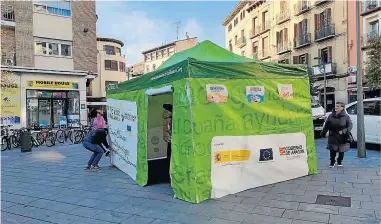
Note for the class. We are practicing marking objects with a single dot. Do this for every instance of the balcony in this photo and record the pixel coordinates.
(302, 40)
(325, 32)
(241, 42)
(8, 59)
(254, 32)
(283, 16)
(368, 37)
(301, 7)
(328, 68)
(320, 2)
(265, 26)
(368, 7)
(255, 55)
(283, 47)
(8, 17)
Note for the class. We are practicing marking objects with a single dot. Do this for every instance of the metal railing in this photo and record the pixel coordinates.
(368, 37)
(283, 16)
(265, 26)
(325, 31)
(302, 40)
(254, 32)
(369, 6)
(301, 7)
(241, 41)
(328, 68)
(8, 14)
(283, 46)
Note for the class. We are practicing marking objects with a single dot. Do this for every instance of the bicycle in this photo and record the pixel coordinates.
(6, 139)
(46, 135)
(80, 134)
(63, 134)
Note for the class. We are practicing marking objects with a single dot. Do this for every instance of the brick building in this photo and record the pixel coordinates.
(49, 50)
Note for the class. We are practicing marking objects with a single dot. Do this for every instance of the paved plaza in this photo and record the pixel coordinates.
(50, 185)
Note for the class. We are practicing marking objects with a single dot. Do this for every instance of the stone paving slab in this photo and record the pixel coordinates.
(50, 185)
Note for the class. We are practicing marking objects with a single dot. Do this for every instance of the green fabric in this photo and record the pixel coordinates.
(141, 101)
(237, 117)
(207, 60)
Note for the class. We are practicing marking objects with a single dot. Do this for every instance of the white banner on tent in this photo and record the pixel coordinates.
(243, 162)
(122, 120)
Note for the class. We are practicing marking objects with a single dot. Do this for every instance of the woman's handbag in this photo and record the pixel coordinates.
(349, 137)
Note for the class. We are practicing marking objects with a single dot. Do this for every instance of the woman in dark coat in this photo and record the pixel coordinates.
(339, 125)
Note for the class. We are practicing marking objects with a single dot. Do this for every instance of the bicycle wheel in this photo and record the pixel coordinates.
(50, 139)
(4, 143)
(78, 137)
(70, 135)
(40, 139)
(60, 136)
(15, 141)
(34, 142)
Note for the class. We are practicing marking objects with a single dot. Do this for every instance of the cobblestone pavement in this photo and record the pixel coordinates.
(50, 186)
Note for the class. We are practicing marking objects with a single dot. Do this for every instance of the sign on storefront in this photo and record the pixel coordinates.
(52, 84)
(10, 98)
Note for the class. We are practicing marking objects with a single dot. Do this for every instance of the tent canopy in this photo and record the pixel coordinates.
(208, 60)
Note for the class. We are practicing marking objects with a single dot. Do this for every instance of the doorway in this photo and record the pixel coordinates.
(158, 150)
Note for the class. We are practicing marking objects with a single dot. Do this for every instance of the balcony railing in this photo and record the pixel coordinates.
(265, 26)
(255, 55)
(301, 7)
(328, 68)
(8, 59)
(254, 32)
(302, 40)
(368, 37)
(8, 15)
(320, 2)
(283, 47)
(241, 42)
(325, 32)
(283, 16)
(370, 6)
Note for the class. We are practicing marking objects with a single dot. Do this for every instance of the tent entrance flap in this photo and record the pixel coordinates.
(159, 91)
(158, 148)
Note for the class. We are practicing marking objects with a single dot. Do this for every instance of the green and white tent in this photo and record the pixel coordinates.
(237, 123)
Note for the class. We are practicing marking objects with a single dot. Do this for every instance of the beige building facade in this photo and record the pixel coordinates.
(295, 32)
(154, 57)
(136, 70)
(49, 53)
(111, 70)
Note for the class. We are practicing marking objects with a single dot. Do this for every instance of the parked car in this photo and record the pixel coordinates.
(318, 115)
(372, 119)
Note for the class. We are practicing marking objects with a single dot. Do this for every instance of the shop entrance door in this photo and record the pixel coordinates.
(44, 113)
(59, 108)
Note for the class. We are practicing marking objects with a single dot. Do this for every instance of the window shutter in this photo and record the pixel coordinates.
(295, 60)
(286, 35)
(295, 29)
(277, 37)
(329, 54)
(307, 59)
(317, 22)
(328, 16)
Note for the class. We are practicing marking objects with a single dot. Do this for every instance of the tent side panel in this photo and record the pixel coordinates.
(182, 159)
(238, 118)
(141, 100)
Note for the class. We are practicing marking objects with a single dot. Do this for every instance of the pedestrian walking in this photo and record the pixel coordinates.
(339, 126)
(93, 142)
(99, 121)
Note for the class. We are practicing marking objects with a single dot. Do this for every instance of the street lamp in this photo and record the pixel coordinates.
(321, 68)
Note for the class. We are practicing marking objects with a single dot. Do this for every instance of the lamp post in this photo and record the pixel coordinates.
(321, 67)
(361, 152)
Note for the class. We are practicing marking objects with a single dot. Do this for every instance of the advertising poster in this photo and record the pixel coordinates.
(216, 93)
(122, 120)
(10, 98)
(285, 91)
(255, 94)
(243, 162)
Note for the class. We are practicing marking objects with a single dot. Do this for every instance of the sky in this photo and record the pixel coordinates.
(142, 25)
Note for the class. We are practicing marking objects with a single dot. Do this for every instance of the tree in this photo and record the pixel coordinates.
(372, 65)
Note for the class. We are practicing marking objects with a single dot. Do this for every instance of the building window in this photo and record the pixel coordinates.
(235, 39)
(325, 55)
(122, 67)
(230, 45)
(110, 50)
(301, 59)
(111, 65)
(53, 49)
(54, 7)
(147, 68)
(153, 67)
(117, 50)
(111, 85)
(374, 27)
(230, 27)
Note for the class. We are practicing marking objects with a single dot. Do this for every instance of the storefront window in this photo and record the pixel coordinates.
(48, 108)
